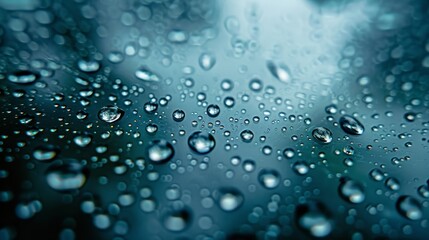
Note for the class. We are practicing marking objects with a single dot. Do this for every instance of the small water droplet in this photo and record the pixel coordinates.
(393, 184)
(207, 61)
(423, 190)
(230, 199)
(177, 220)
(177, 36)
(351, 191)
(300, 167)
(45, 152)
(256, 85)
(289, 153)
(82, 140)
(269, 178)
(376, 174)
(146, 74)
(66, 176)
(249, 165)
(281, 72)
(88, 66)
(313, 218)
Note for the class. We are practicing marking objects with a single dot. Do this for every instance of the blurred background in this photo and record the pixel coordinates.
(199, 119)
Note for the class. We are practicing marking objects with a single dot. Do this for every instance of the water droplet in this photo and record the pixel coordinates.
(150, 107)
(88, 66)
(281, 72)
(102, 221)
(23, 77)
(256, 85)
(249, 165)
(409, 207)
(45, 152)
(246, 135)
(177, 220)
(177, 36)
(393, 184)
(351, 191)
(160, 151)
(322, 135)
(300, 167)
(110, 114)
(269, 178)
(82, 140)
(313, 218)
(289, 153)
(331, 109)
(229, 102)
(348, 162)
(424, 191)
(201, 142)
(148, 205)
(351, 125)
(66, 176)
(376, 174)
(227, 84)
(207, 61)
(230, 199)
(178, 115)
(213, 110)
(145, 74)
(151, 128)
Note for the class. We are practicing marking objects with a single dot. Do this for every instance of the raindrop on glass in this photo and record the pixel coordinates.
(351, 125)
(110, 114)
(201, 142)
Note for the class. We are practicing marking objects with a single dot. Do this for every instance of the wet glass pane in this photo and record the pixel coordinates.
(200, 119)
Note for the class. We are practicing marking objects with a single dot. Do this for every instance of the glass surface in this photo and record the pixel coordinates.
(200, 119)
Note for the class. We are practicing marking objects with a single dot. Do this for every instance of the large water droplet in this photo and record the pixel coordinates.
(281, 72)
(160, 151)
(351, 191)
(66, 176)
(145, 74)
(201, 142)
(269, 178)
(229, 199)
(313, 218)
(409, 207)
(23, 77)
(351, 125)
(110, 114)
(322, 135)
